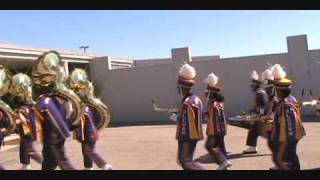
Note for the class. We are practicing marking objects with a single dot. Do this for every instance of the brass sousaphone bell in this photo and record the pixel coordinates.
(5, 82)
(47, 71)
(79, 82)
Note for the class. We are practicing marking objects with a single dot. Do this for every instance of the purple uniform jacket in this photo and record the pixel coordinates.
(87, 131)
(29, 113)
(216, 124)
(53, 109)
(189, 124)
(288, 125)
(2, 125)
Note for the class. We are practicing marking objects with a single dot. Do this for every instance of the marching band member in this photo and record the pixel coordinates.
(95, 111)
(288, 128)
(216, 122)
(267, 77)
(60, 108)
(189, 123)
(7, 116)
(28, 119)
(259, 107)
(3, 127)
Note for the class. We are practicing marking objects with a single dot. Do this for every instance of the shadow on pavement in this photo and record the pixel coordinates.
(208, 159)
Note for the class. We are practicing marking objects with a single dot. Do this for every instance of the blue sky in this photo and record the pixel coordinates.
(152, 34)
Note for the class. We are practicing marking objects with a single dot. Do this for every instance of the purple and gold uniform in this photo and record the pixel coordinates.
(189, 125)
(2, 125)
(189, 131)
(288, 130)
(216, 130)
(87, 131)
(59, 106)
(190, 119)
(56, 128)
(96, 117)
(87, 134)
(216, 122)
(29, 130)
(287, 126)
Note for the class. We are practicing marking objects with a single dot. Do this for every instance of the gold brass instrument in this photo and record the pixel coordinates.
(21, 87)
(5, 82)
(11, 117)
(47, 71)
(79, 82)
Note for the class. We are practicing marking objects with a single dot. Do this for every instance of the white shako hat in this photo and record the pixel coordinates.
(212, 82)
(255, 78)
(267, 77)
(280, 80)
(187, 75)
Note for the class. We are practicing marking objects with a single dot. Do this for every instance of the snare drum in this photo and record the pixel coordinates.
(241, 121)
(247, 121)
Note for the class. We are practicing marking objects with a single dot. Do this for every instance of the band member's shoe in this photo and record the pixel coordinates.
(88, 168)
(225, 165)
(250, 150)
(25, 167)
(107, 167)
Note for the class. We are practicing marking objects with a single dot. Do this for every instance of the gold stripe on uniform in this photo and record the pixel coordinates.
(192, 124)
(210, 125)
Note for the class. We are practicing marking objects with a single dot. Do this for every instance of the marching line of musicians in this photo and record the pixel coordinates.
(66, 106)
(275, 107)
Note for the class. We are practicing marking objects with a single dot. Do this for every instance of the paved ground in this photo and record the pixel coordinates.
(154, 148)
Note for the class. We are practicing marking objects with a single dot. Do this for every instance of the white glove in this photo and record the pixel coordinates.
(174, 117)
(3, 129)
(18, 121)
(261, 111)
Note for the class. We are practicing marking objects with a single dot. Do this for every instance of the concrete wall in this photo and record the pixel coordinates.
(152, 62)
(205, 58)
(128, 92)
(120, 62)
